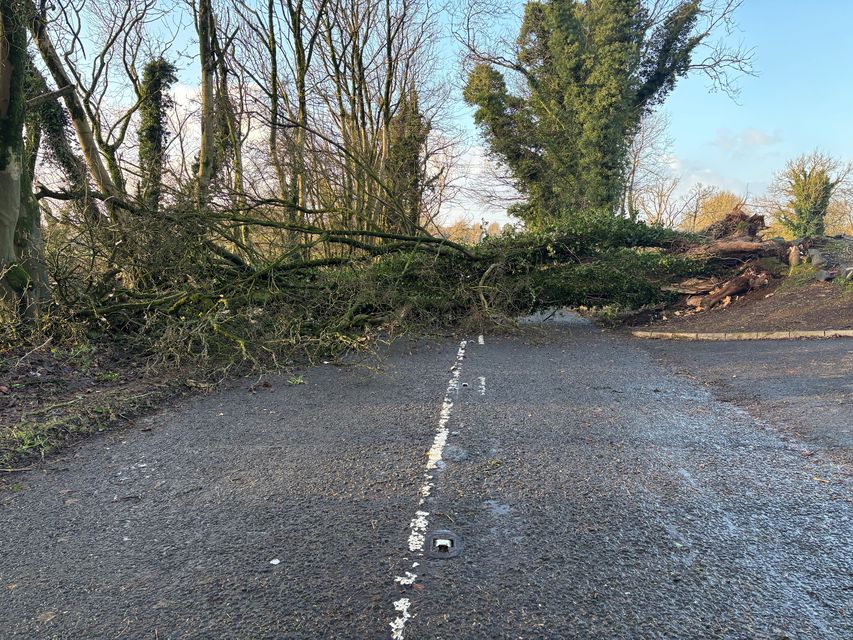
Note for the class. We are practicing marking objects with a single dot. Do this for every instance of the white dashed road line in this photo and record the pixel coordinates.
(420, 523)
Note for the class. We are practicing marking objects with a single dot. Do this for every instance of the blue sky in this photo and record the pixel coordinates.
(801, 99)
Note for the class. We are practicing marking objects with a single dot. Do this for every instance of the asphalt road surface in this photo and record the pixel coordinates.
(803, 387)
(589, 492)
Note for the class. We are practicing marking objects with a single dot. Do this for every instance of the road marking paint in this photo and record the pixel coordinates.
(482, 380)
(418, 528)
(409, 578)
(480, 340)
(419, 524)
(398, 626)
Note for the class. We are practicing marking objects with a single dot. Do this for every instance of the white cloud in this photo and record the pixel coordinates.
(480, 194)
(746, 141)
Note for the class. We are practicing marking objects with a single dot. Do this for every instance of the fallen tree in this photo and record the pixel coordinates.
(189, 292)
(740, 250)
(751, 279)
(733, 243)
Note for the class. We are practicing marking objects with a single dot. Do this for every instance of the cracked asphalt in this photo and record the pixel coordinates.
(598, 493)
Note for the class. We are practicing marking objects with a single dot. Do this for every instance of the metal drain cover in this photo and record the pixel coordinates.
(443, 544)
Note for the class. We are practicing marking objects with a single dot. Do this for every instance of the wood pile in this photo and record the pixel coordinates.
(734, 243)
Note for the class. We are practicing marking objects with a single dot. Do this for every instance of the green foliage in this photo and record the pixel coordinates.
(592, 69)
(157, 77)
(582, 234)
(407, 173)
(627, 278)
(181, 302)
(809, 188)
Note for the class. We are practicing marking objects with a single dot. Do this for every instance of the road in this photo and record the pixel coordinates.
(803, 387)
(593, 493)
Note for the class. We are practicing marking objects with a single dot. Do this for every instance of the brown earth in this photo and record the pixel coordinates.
(51, 397)
(789, 303)
(780, 307)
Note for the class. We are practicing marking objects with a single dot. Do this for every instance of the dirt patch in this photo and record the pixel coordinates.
(50, 397)
(810, 306)
(794, 300)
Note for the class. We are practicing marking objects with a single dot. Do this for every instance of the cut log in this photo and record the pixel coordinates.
(748, 281)
(694, 286)
(739, 248)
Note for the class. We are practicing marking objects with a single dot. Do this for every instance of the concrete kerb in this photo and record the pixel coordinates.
(744, 335)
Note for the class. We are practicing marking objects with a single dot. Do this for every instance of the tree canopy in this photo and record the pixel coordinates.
(589, 72)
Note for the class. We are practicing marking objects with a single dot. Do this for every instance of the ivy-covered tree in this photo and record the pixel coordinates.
(807, 186)
(406, 166)
(590, 70)
(157, 77)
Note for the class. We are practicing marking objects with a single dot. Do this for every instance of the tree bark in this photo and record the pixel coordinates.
(14, 277)
(80, 122)
(747, 281)
(29, 239)
(740, 249)
(207, 151)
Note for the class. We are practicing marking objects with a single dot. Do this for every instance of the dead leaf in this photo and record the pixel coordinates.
(46, 616)
(195, 384)
(71, 501)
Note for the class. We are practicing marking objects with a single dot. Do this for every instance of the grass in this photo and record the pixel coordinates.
(845, 285)
(799, 276)
(46, 429)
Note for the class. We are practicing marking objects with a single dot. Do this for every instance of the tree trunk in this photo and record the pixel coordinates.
(29, 239)
(29, 245)
(12, 110)
(10, 206)
(207, 151)
(739, 249)
(749, 280)
(46, 112)
(81, 124)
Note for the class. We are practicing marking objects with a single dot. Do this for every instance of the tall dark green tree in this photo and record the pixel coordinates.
(406, 166)
(590, 70)
(157, 78)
